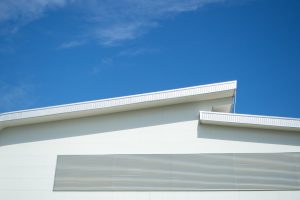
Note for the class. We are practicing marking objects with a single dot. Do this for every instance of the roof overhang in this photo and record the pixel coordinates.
(126, 103)
(250, 121)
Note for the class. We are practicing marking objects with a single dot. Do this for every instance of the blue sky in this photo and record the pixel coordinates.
(62, 51)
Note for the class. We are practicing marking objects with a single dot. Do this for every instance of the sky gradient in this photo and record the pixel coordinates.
(58, 51)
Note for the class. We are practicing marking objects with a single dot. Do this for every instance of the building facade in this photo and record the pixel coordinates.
(177, 144)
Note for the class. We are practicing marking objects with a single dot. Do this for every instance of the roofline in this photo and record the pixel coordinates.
(118, 104)
(250, 121)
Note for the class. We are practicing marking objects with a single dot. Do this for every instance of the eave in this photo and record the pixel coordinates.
(250, 121)
(126, 103)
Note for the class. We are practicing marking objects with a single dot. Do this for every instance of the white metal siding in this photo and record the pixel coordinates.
(28, 154)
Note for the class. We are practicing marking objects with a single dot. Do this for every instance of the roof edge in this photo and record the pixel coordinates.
(89, 108)
(250, 121)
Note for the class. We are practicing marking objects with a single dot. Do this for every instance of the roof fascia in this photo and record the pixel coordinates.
(119, 104)
(250, 121)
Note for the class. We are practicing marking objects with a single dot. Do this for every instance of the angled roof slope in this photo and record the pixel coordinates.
(140, 101)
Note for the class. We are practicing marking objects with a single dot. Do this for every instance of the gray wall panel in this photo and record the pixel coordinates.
(178, 172)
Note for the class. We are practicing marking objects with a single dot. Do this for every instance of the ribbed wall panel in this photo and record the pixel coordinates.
(178, 172)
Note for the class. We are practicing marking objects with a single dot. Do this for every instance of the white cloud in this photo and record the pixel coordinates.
(71, 44)
(119, 32)
(26, 9)
(17, 13)
(138, 51)
(110, 22)
(117, 21)
(15, 96)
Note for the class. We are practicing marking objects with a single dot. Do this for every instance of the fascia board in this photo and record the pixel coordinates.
(250, 121)
(125, 103)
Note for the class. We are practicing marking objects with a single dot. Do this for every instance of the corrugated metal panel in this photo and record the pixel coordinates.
(178, 172)
(232, 119)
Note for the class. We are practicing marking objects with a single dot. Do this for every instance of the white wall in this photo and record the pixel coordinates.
(28, 153)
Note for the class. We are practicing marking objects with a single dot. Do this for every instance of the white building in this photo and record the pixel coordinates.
(176, 144)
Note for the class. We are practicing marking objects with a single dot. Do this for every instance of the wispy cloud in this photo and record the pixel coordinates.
(71, 44)
(15, 96)
(117, 21)
(138, 51)
(16, 13)
(113, 61)
(109, 22)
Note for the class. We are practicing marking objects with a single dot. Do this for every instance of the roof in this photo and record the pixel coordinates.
(126, 103)
(250, 121)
